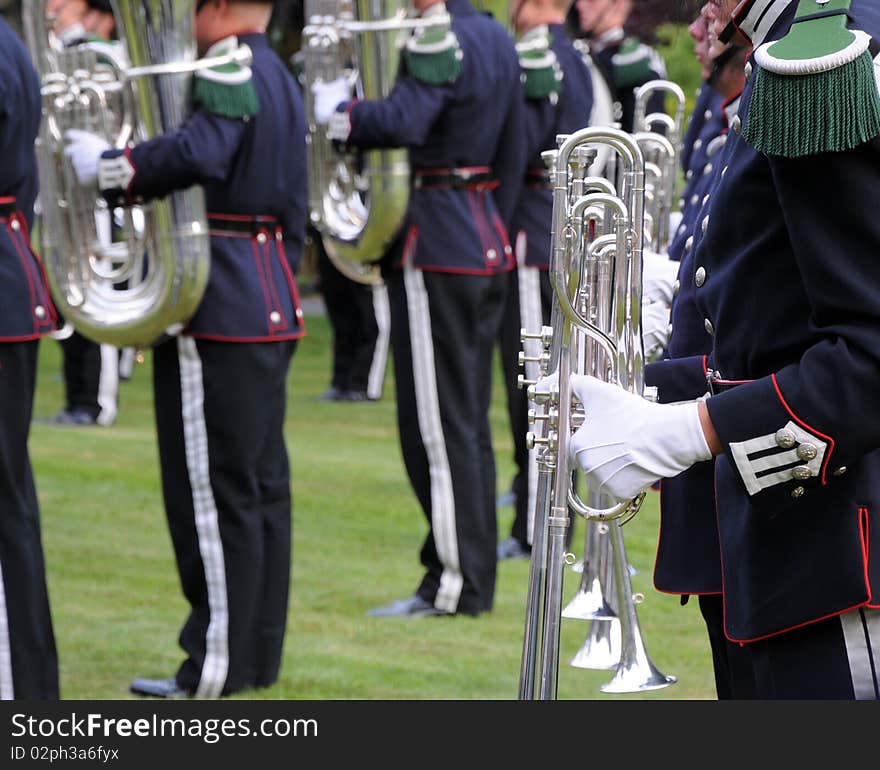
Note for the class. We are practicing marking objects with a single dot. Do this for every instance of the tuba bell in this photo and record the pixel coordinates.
(127, 276)
(357, 200)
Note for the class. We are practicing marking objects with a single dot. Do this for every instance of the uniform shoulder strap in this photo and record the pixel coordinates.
(433, 55)
(636, 63)
(815, 89)
(540, 72)
(227, 90)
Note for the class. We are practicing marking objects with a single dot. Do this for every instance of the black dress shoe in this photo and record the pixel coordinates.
(511, 548)
(411, 607)
(73, 417)
(159, 688)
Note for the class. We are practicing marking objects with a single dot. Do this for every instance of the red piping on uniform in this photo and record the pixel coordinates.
(506, 250)
(223, 338)
(291, 281)
(794, 628)
(259, 263)
(705, 366)
(409, 247)
(273, 289)
(804, 425)
(865, 534)
(24, 264)
(478, 221)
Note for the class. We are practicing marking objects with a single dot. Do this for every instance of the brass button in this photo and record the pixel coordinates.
(748, 69)
(689, 243)
(807, 452)
(689, 174)
(708, 169)
(261, 238)
(40, 312)
(710, 329)
(491, 255)
(694, 199)
(840, 471)
(15, 225)
(698, 144)
(700, 276)
(736, 124)
(705, 223)
(676, 287)
(275, 317)
(707, 115)
(801, 473)
(797, 492)
(785, 438)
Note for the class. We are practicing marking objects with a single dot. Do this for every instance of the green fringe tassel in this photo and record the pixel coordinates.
(229, 101)
(792, 116)
(435, 69)
(540, 83)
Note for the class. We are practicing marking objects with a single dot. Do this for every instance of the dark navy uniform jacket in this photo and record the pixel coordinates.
(688, 557)
(253, 168)
(475, 122)
(699, 174)
(789, 295)
(544, 121)
(627, 63)
(26, 309)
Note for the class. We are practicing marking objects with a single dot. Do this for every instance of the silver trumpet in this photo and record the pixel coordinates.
(595, 328)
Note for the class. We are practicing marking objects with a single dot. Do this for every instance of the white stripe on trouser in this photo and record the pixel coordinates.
(382, 311)
(7, 688)
(531, 318)
(431, 429)
(861, 632)
(108, 385)
(195, 439)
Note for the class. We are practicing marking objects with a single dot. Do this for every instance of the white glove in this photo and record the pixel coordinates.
(659, 274)
(328, 96)
(339, 127)
(84, 150)
(655, 329)
(627, 443)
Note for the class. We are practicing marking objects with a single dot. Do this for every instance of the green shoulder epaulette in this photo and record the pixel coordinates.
(815, 89)
(433, 55)
(635, 63)
(226, 90)
(539, 68)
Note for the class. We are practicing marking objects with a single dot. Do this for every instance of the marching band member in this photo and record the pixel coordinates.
(626, 61)
(787, 291)
(688, 555)
(458, 107)
(28, 658)
(559, 100)
(220, 386)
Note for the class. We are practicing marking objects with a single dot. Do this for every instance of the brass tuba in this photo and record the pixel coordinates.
(357, 200)
(131, 275)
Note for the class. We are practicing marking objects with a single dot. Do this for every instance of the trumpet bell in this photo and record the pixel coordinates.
(601, 649)
(637, 675)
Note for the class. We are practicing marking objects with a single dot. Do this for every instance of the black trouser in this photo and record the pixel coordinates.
(28, 658)
(528, 305)
(731, 663)
(353, 321)
(443, 332)
(91, 377)
(220, 411)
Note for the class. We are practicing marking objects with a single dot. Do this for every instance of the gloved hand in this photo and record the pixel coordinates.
(655, 329)
(659, 274)
(84, 150)
(339, 127)
(627, 443)
(328, 96)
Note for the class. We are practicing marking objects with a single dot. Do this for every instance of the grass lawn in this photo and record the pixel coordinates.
(118, 608)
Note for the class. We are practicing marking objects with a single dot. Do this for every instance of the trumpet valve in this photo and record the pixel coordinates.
(523, 383)
(543, 359)
(533, 441)
(551, 417)
(545, 336)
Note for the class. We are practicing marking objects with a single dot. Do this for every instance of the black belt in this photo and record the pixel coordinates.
(717, 384)
(242, 223)
(8, 207)
(538, 177)
(462, 178)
